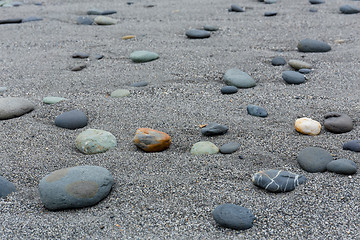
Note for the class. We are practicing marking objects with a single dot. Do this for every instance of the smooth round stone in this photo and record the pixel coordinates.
(6, 187)
(204, 147)
(342, 166)
(313, 10)
(102, 20)
(11, 107)
(71, 120)
(151, 140)
(277, 180)
(353, 145)
(139, 84)
(233, 216)
(310, 45)
(211, 28)
(94, 12)
(236, 77)
(304, 71)
(256, 111)
(314, 159)
(3, 89)
(80, 55)
(143, 56)
(53, 100)
(307, 126)
(31, 19)
(297, 64)
(338, 122)
(213, 129)
(75, 187)
(197, 33)
(84, 20)
(11, 21)
(229, 148)
(229, 90)
(93, 141)
(236, 8)
(278, 61)
(316, 1)
(78, 67)
(292, 77)
(348, 9)
(120, 93)
(270, 14)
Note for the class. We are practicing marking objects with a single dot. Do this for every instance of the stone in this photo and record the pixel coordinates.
(204, 147)
(213, 129)
(270, 14)
(6, 187)
(80, 55)
(211, 28)
(92, 141)
(353, 145)
(314, 159)
(102, 20)
(98, 56)
(270, 1)
(316, 1)
(297, 64)
(31, 19)
(229, 90)
(11, 21)
(78, 67)
(143, 56)
(278, 61)
(3, 89)
(236, 77)
(256, 111)
(277, 181)
(120, 93)
(197, 34)
(338, 122)
(307, 126)
(236, 8)
(94, 12)
(304, 71)
(84, 20)
(75, 187)
(53, 100)
(313, 10)
(292, 77)
(127, 37)
(71, 120)
(342, 166)
(348, 9)
(229, 147)
(11, 107)
(309, 45)
(151, 140)
(233, 216)
(108, 12)
(139, 84)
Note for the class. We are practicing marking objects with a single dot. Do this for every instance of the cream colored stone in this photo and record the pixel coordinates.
(307, 126)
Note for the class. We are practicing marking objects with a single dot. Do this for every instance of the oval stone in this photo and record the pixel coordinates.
(316, 1)
(236, 8)
(197, 34)
(204, 147)
(53, 100)
(11, 107)
(342, 166)
(71, 120)
(229, 148)
(93, 141)
(236, 77)
(120, 93)
(270, 14)
(307, 126)
(31, 19)
(6, 187)
(139, 84)
(143, 56)
(278, 61)
(338, 122)
(348, 9)
(84, 20)
(297, 64)
(304, 71)
(102, 20)
(211, 28)
(233, 216)
(151, 140)
(229, 90)
(256, 111)
(310, 45)
(213, 129)
(314, 159)
(75, 187)
(353, 145)
(293, 77)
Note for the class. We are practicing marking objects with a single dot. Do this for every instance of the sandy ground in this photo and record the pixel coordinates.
(170, 195)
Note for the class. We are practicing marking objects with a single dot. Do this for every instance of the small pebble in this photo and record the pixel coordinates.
(211, 28)
(139, 84)
(53, 100)
(292, 77)
(80, 55)
(313, 10)
(102, 20)
(307, 126)
(256, 111)
(278, 61)
(304, 71)
(31, 19)
(98, 56)
(213, 129)
(118, 93)
(270, 1)
(94, 12)
(229, 90)
(108, 12)
(316, 1)
(78, 67)
(92, 141)
(348, 9)
(71, 120)
(229, 148)
(6, 187)
(197, 34)
(270, 14)
(236, 8)
(297, 64)
(342, 166)
(309, 45)
(204, 147)
(236, 77)
(233, 216)
(143, 56)
(84, 20)
(353, 145)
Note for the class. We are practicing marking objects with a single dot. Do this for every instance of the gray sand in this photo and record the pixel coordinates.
(170, 195)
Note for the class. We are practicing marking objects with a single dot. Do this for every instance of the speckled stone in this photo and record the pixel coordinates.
(338, 122)
(233, 216)
(353, 145)
(342, 166)
(71, 120)
(53, 100)
(278, 61)
(229, 90)
(197, 34)
(297, 64)
(292, 77)
(213, 129)
(314, 159)
(92, 141)
(348, 9)
(256, 111)
(229, 148)
(277, 180)
(6, 187)
(143, 56)
(204, 147)
(11, 107)
(236, 77)
(75, 187)
(150, 140)
(118, 93)
(309, 45)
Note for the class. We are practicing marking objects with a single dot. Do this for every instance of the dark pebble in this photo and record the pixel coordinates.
(78, 67)
(108, 12)
(304, 71)
(236, 8)
(229, 90)
(353, 145)
(338, 122)
(270, 14)
(278, 61)
(316, 1)
(310, 45)
(347, 9)
(313, 10)
(139, 84)
(293, 77)
(11, 21)
(342, 166)
(80, 55)
(211, 28)
(229, 148)
(98, 56)
(256, 111)
(197, 34)
(6, 187)
(84, 20)
(213, 129)
(233, 216)
(71, 120)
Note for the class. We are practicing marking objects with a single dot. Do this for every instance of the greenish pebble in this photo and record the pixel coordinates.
(211, 28)
(204, 147)
(120, 93)
(143, 56)
(53, 100)
(94, 141)
(102, 20)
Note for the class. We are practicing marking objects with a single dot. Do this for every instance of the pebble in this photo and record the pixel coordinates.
(292, 77)
(204, 147)
(233, 216)
(53, 100)
(108, 12)
(11, 21)
(211, 28)
(229, 90)
(84, 20)
(270, 1)
(3, 89)
(197, 34)
(75, 187)
(92, 141)
(6, 187)
(236, 8)
(278, 61)
(277, 181)
(31, 19)
(256, 111)
(151, 140)
(98, 56)
(353, 145)
(102, 20)
(71, 120)
(78, 67)
(139, 84)
(127, 37)
(338, 122)
(236, 77)
(314, 159)
(120, 93)
(80, 55)
(342, 166)
(313, 10)
(11, 107)
(307, 126)
(229, 148)
(348, 9)
(297, 64)
(270, 14)
(143, 56)
(309, 45)
(213, 129)
(94, 12)
(316, 1)
(304, 71)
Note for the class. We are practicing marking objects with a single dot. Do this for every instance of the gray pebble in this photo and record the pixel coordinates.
(293, 77)
(211, 28)
(278, 61)
(314, 159)
(316, 1)
(71, 120)
(348, 9)
(338, 122)
(80, 55)
(310, 45)
(11, 107)
(236, 8)
(353, 145)
(213, 129)
(197, 34)
(342, 166)
(256, 111)
(236, 77)
(233, 216)
(84, 20)
(6, 187)
(78, 67)
(139, 84)
(270, 14)
(229, 90)
(304, 71)
(229, 148)
(31, 19)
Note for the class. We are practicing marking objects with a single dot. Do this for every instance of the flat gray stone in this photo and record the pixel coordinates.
(71, 120)
(143, 56)
(353, 145)
(278, 61)
(292, 77)
(197, 34)
(236, 77)
(233, 216)
(53, 100)
(11, 107)
(342, 166)
(348, 9)
(229, 90)
(84, 20)
(229, 148)
(256, 111)
(314, 159)
(310, 45)
(6, 187)
(213, 129)
(236, 8)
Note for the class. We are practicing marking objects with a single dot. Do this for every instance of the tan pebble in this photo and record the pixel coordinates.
(128, 37)
(307, 126)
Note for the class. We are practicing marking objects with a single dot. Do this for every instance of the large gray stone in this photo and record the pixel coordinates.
(314, 159)
(310, 45)
(236, 77)
(11, 107)
(338, 122)
(233, 216)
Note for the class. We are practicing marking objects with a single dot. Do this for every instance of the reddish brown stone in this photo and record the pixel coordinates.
(151, 140)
